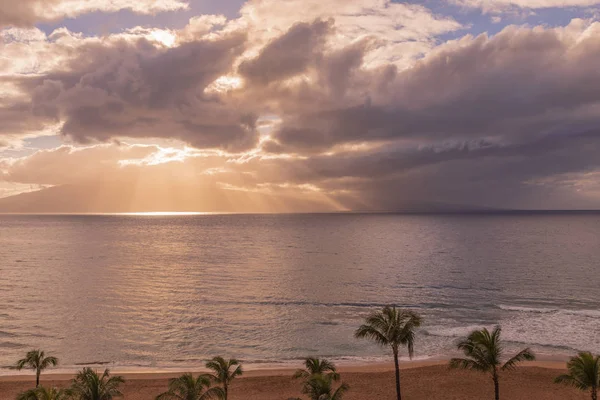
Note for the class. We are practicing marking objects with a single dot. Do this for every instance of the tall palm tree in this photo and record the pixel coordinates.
(392, 327)
(319, 387)
(223, 372)
(316, 366)
(88, 385)
(584, 373)
(42, 393)
(484, 352)
(186, 387)
(37, 361)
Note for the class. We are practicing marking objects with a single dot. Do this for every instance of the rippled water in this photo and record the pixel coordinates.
(157, 291)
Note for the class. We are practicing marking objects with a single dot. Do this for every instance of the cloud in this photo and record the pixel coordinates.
(516, 86)
(148, 82)
(357, 104)
(26, 13)
(404, 31)
(124, 88)
(288, 55)
(498, 6)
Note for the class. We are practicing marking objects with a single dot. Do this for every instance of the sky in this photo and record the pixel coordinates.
(299, 105)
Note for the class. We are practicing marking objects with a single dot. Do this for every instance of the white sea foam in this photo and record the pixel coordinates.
(587, 313)
(547, 327)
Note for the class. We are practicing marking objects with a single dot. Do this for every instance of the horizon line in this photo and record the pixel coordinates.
(465, 211)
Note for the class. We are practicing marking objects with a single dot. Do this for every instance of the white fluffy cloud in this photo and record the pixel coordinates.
(26, 13)
(404, 31)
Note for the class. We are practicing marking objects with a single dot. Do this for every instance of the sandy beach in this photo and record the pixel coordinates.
(420, 381)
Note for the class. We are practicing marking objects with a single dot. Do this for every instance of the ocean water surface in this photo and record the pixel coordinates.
(170, 291)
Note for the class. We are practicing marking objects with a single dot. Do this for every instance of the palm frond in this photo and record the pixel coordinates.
(523, 355)
(372, 332)
(584, 372)
(339, 392)
(468, 364)
(571, 381)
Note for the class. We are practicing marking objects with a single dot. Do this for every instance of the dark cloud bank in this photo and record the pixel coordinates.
(500, 121)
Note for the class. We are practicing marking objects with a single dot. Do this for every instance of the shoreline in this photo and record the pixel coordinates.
(254, 371)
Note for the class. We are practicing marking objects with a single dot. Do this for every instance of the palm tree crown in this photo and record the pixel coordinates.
(223, 372)
(186, 387)
(37, 361)
(584, 373)
(392, 327)
(484, 353)
(316, 366)
(88, 385)
(320, 387)
(42, 393)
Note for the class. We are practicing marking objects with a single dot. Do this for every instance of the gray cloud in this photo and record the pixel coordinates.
(288, 55)
(512, 85)
(135, 89)
(478, 121)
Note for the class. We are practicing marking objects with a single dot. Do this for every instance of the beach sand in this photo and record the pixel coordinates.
(426, 381)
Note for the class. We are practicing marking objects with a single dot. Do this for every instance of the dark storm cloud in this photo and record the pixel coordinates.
(288, 55)
(510, 85)
(478, 121)
(136, 89)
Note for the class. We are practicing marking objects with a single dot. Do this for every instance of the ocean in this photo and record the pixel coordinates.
(166, 292)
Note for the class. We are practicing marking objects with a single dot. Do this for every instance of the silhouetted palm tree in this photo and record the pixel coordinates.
(316, 366)
(222, 371)
(186, 387)
(37, 361)
(484, 353)
(392, 327)
(319, 387)
(88, 385)
(584, 373)
(42, 393)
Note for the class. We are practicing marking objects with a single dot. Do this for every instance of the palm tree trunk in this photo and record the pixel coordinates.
(496, 386)
(397, 367)
(594, 393)
(225, 389)
(37, 378)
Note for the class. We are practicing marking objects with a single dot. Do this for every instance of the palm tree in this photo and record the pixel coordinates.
(42, 393)
(392, 327)
(186, 387)
(584, 373)
(222, 372)
(37, 361)
(484, 353)
(319, 387)
(315, 366)
(88, 385)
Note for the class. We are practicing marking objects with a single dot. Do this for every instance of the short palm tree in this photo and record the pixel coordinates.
(320, 387)
(186, 387)
(37, 361)
(42, 393)
(584, 373)
(88, 385)
(224, 371)
(484, 352)
(394, 328)
(316, 366)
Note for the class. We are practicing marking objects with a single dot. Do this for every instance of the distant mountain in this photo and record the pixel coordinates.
(117, 197)
(124, 197)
